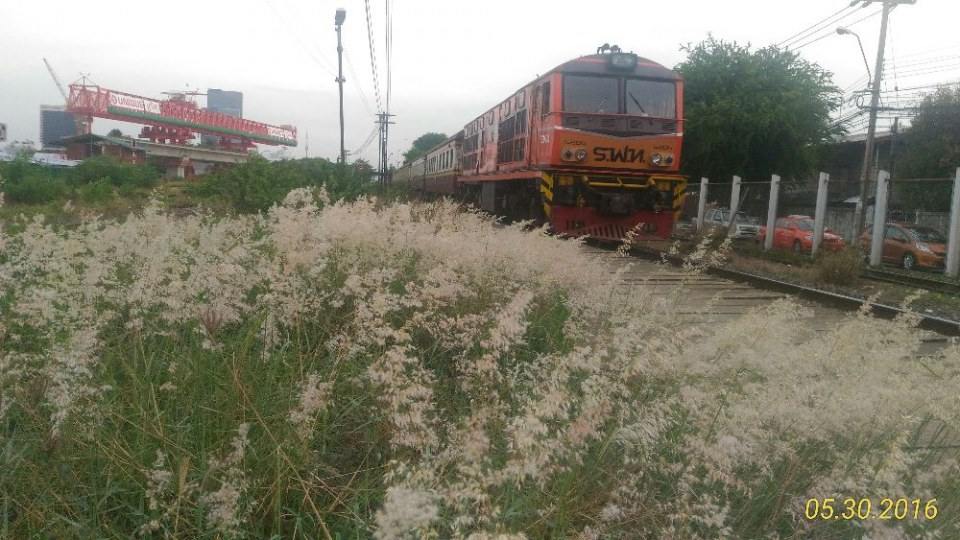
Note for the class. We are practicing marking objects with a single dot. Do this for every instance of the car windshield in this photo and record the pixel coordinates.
(804, 224)
(747, 220)
(926, 234)
(585, 94)
(651, 98)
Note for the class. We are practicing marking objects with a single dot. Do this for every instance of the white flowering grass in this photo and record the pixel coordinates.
(414, 370)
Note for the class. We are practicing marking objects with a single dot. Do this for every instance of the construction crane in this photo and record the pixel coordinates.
(56, 80)
(173, 120)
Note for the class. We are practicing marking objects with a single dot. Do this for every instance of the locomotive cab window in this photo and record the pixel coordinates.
(589, 94)
(657, 99)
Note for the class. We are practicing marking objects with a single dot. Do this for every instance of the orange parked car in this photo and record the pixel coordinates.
(796, 233)
(910, 246)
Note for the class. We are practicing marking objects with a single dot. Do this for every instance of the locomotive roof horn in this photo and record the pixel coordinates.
(607, 48)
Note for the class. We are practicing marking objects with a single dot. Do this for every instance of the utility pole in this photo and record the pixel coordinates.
(867, 173)
(383, 168)
(341, 15)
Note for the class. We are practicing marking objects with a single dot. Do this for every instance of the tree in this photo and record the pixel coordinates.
(363, 169)
(930, 149)
(753, 113)
(422, 144)
(115, 133)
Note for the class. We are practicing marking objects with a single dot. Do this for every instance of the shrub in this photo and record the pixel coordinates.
(117, 173)
(34, 188)
(97, 192)
(839, 267)
(258, 184)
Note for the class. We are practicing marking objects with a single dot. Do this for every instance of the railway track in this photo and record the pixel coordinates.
(739, 291)
(914, 280)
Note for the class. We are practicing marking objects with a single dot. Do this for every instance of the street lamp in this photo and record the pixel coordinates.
(338, 21)
(847, 32)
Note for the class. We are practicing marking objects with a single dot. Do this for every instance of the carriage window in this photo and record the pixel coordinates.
(651, 98)
(545, 96)
(585, 94)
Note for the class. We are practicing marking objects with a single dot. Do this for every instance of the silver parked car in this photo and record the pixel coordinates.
(745, 227)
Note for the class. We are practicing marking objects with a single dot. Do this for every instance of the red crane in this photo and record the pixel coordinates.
(173, 120)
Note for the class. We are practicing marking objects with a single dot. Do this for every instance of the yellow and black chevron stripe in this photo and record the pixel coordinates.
(546, 189)
(677, 186)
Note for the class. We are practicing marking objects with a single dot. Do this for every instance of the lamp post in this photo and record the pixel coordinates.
(847, 32)
(341, 15)
(877, 76)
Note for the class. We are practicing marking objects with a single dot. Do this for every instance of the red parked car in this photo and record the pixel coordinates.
(796, 233)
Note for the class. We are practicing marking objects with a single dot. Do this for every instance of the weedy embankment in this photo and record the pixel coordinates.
(355, 369)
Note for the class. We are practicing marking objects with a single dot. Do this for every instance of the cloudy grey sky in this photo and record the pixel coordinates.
(451, 59)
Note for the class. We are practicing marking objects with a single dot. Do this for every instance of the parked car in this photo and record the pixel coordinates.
(719, 218)
(910, 246)
(796, 233)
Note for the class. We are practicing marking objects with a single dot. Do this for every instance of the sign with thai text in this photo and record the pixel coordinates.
(137, 104)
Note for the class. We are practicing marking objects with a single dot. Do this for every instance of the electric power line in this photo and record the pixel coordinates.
(388, 45)
(830, 31)
(924, 62)
(366, 143)
(799, 36)
(313, 53)
(373, 54)
(353, 73)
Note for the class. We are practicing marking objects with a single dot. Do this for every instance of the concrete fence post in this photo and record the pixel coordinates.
(734, 204)
(772, 212)
(820, 216)
(953, 239)
(879, 219)
(735, 195)
(702, 203)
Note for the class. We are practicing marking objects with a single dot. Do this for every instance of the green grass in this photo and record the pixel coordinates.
(93, 474)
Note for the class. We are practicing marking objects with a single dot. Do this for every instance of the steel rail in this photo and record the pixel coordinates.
(907, 280)
(940, 325)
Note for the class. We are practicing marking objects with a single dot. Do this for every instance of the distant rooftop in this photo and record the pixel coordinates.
(47, 159)
(861, 137)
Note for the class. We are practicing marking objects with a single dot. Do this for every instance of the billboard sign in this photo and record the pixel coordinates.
(135, 104)
(281, 133)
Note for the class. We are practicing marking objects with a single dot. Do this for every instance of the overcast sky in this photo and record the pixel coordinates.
(451, 59)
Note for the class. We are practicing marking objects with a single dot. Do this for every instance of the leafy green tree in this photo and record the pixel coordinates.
(115, 133)
(423, 143)
(753, 113)
(930, 149)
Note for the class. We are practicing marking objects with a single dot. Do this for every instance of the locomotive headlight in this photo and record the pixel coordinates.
(661, 160)
(573, 154)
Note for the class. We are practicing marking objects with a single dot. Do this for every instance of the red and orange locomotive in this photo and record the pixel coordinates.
(592, 147)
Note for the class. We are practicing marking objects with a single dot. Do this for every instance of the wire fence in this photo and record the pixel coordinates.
(805, 217)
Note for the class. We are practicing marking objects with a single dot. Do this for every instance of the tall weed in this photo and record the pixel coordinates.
(355, 369)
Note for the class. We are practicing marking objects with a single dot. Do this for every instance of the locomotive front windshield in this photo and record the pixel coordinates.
(651, 98)
(595, 95)
(614, 95)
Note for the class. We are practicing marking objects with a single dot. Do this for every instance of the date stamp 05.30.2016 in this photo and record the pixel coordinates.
(862, 509)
